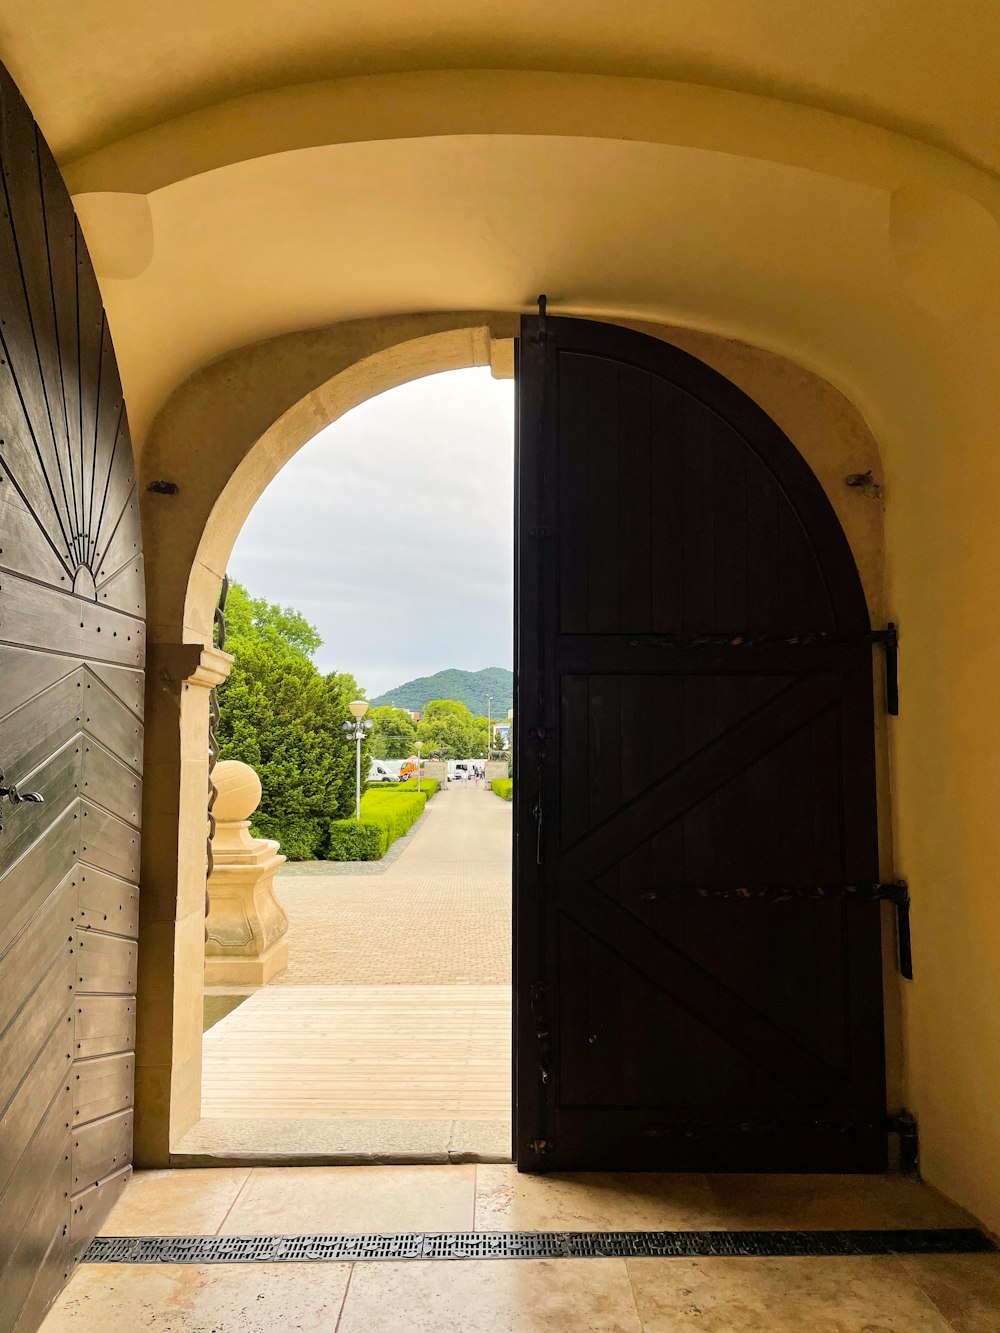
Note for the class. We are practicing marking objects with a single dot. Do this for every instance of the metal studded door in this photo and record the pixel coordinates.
(697, 919)
(71, 700)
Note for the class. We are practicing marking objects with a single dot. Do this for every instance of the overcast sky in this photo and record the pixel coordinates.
(392, 531)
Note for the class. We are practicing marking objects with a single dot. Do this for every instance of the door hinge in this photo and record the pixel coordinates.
(904, 1124)
(900, 1123)
(888, 638)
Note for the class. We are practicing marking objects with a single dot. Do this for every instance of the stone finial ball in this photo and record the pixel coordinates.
(239, 790)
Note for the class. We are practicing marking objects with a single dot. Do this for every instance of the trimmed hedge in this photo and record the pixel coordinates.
(349, 840)
(387, 811)
(428, 786)
(504, 788)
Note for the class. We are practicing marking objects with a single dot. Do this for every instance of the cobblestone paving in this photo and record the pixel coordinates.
(439, 915)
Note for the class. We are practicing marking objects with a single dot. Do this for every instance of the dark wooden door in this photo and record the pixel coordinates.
(71, 697)
(695, 991)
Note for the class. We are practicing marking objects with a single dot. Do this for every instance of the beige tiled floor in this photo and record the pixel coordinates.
(926, 1294)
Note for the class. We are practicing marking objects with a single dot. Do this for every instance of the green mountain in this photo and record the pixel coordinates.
(471, 687)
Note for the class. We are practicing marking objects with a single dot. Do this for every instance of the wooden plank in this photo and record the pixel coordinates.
(38, 1241)
(43, 725)
(61, 227)
(102, 1086)
(109, 436)
(125, 684)
(120, 542)
(107, 782)
(108, 842)
(30, 448)
(26, 882)
(28, 823)
(119, 507)
(91, 1206)
(105, 964)
(51, 1274)
(24, 547)
(19, 1120)
(49, 1005)
(105, 1025)
(26, 673)
(101, 1149)
(20, 1193)
(34, 950)
(111, 722)
(107, 903)
(125, 588)
(37, 617)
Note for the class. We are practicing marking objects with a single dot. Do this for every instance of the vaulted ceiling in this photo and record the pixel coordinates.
(787, 173)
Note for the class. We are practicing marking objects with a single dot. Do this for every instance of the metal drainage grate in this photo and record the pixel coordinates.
(528, 1245)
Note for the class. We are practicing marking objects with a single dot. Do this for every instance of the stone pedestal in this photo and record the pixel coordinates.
(246, 942)
(437, 769)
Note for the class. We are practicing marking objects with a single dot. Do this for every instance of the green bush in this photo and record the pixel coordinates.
(351, 840)
(504, 788)
(301, 838)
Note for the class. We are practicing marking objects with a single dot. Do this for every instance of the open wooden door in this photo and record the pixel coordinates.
(71, 699)
(699, 975)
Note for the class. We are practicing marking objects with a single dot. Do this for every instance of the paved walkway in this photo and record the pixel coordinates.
(440, 915)
(390, 1030)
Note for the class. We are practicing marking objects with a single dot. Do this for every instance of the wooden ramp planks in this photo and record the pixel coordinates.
(385, 1052)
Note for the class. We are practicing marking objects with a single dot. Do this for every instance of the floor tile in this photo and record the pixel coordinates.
(491, 1296)
(195, 1298)
(780, 1296)
(830, 1202)
(508, 1201)
(350, 1199)
(176, 1203)
(964, 1287)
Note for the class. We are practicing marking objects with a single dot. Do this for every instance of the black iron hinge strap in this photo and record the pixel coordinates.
(895, 892)
(887, 639)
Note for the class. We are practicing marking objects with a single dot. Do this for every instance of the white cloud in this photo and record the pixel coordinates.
(392, 531)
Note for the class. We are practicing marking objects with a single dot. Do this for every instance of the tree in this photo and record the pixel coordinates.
(394, 733)
(448, 725)
(281, 716)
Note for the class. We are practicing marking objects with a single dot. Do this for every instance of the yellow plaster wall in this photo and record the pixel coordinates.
(825, 190)
(941, 471)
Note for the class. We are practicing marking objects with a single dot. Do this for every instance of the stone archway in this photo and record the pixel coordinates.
(263, 403)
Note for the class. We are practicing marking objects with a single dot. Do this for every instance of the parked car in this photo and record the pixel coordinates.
(379, 773)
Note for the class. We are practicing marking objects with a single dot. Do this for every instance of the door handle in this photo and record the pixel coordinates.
(17, 797)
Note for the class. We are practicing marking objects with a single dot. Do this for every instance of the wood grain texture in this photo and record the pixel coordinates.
(655, 500)
(72, 646)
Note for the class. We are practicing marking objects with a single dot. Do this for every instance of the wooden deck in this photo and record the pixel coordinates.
(387, 1052)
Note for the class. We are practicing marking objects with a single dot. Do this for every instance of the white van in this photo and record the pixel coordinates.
(379, 772)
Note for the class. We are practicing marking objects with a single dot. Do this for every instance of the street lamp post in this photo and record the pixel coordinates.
(418, 746)
(356, 731)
